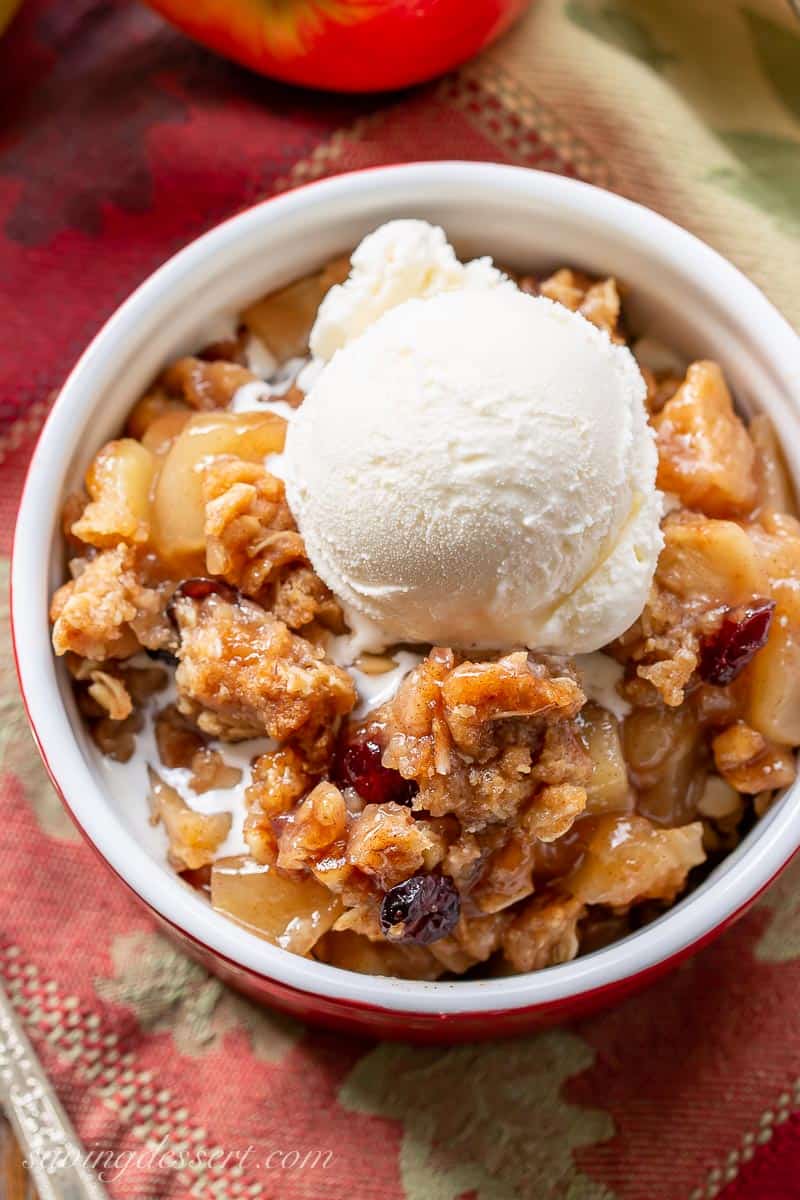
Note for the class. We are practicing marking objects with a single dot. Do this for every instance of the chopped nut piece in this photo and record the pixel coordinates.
(597, 300)
(669, 676)
(111, 694)
(312, 830)
(205, 385)
(474, 940)
(418, 739)
(544, 932)
(279, 780)
(194, 837)
(749, 762)
(386, 843)
(475, 695)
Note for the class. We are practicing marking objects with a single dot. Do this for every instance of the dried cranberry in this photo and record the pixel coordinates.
(199, 588)
(358, 765)
(725, 653)
(421, 909)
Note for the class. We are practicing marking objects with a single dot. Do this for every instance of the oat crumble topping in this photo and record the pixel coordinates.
(487, 815)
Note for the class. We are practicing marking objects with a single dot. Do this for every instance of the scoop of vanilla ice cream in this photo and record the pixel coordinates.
(399, 261)
(476, 469)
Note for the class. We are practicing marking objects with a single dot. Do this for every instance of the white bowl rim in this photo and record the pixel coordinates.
(688, 924)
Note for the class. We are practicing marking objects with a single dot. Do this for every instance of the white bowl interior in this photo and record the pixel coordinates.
(681, 293)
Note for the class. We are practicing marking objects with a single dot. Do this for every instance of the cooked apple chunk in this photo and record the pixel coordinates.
(708, 559)
(705, 453)
(775, 490)
(608, 789)
(118, 482)
(629, 859)
(178, 532)
(290, 912)
(283, 319)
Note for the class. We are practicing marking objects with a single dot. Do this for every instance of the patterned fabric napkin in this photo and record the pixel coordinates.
(120, 141)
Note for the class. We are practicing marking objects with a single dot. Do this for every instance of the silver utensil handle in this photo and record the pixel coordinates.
(54, 1156)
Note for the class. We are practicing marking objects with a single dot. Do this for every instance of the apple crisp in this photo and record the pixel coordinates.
(485, 814)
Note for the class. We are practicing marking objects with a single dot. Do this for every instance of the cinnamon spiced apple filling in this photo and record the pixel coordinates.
(439, 632)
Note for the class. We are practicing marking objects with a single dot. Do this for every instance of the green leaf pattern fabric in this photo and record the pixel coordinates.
(759, 159)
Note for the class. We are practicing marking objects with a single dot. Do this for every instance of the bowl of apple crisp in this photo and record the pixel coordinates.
(405, 598)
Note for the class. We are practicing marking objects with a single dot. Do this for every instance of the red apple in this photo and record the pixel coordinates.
(345, 45)
(7, 10)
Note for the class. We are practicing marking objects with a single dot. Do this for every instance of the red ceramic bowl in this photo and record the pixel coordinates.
(681, 290)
